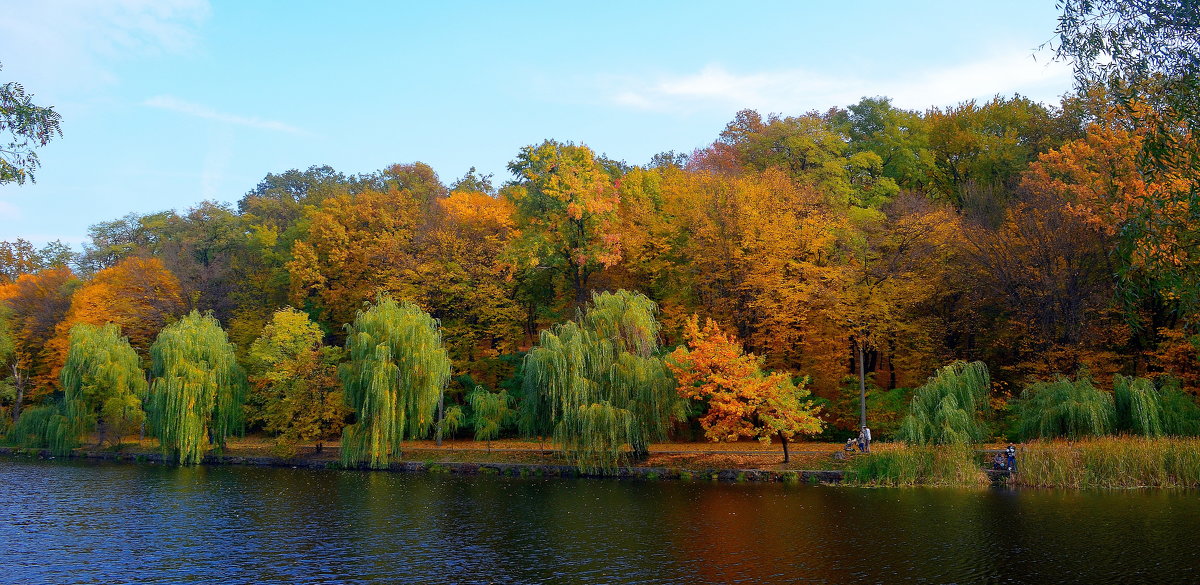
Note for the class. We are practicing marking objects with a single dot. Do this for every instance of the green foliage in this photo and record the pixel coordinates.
(45, 427)
(398, 369)
(948, 409)
(1179, 412)
(296, 395)
(1064, 408)
(452, 420)
(198, 388)
(598, 384)
(491, 412)
(1137, 406)
(103, 382)
(26, 126)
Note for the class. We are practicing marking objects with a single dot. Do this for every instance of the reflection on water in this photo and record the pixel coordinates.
(75, 522)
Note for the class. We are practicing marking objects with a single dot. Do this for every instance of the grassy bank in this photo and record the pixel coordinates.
(896, 465)
(1110, 462)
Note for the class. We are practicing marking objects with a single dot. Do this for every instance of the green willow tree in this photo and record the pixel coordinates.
(198, 389)
(948, 409)
(1065, 408)
(1137, 406)
(492, 410)
(598, 383)
(397, 372)
(45, 427)
(103, 383)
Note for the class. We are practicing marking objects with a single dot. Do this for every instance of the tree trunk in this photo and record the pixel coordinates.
(20, 384)
(441, 413)
(862, 385)
(783, 439)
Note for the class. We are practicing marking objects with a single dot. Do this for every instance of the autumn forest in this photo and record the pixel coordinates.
(1023, 235)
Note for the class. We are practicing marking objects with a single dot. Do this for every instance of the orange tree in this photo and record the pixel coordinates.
(742, 400)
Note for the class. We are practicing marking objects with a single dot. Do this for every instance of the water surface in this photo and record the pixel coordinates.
(80, 522)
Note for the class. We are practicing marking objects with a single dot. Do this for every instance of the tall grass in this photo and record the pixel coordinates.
(1110, 462)
(912, 465)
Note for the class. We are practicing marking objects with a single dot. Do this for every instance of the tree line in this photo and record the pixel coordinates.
(1045, 240)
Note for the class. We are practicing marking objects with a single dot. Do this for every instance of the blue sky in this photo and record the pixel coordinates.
(169, 102)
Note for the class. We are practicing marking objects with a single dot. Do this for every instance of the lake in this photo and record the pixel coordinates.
(65, 522)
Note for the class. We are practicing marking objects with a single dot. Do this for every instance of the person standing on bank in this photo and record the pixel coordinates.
(1010, 455)
(864, 439)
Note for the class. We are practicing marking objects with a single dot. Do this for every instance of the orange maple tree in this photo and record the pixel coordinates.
(139, 295)
(741, 399)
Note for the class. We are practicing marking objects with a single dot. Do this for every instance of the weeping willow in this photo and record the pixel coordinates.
(597, 384)
(1179, 412)
(398, 368)
(947, 409)
(1137, 405)
(103, 382)
(1064, 408)
(491, 412)
(198, 389)
(45, 427)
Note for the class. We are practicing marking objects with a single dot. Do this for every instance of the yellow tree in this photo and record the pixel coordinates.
(355, 244)
(566, 211)
(740, 399)
(464, 279)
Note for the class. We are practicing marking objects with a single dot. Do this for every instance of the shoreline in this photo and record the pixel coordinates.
(725, 475)
(455, 467)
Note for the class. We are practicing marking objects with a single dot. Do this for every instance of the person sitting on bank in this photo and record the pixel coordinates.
(998, 461)
(850, 445)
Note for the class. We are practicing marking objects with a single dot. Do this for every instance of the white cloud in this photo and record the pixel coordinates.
(798, 90)
(59, 45)
(174, 104)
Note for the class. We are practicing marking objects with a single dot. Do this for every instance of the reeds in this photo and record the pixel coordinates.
(1110, 462)
(912, 465)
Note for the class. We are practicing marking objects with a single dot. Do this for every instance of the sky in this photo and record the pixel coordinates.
(166, 103)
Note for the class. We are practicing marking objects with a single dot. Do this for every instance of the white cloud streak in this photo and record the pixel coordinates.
(61, 45)
(797, 90)
(174, 104)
